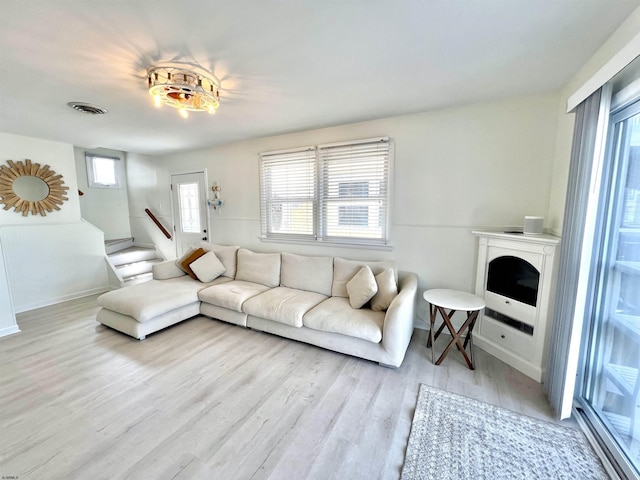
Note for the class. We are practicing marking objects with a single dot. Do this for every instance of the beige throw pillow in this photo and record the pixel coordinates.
(208, 267)
(387, 290)
(188, 258)
(362, 287)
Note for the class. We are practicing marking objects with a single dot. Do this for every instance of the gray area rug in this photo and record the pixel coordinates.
(456, 437)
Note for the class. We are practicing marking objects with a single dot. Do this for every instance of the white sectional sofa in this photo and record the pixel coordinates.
(364, 309)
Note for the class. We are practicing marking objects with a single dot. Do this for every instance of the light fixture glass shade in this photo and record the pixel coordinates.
(183, 89)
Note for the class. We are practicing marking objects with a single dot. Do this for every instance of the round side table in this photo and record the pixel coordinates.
(441, 300)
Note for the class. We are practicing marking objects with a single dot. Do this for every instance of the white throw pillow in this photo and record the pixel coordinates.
(362, 287)
(387, 290)
(344, 270)
(208, 267)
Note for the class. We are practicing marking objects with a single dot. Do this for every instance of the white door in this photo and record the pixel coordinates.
(189, 210)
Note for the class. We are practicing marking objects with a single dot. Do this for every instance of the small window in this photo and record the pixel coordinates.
(102, 172)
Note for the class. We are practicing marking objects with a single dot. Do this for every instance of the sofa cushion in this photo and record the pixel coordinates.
(336, 315)
(208, 267)
(148, 300)
(387, 290)
(344, 270)
(261, 268)
(188, 258)
(313, 274)
(166, 270)
(228, 255)
(282, 304)
(362, 287)
(232, 294)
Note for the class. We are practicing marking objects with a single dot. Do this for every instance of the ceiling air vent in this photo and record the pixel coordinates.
(87, 108)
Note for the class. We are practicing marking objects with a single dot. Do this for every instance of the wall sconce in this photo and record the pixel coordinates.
(216, 202)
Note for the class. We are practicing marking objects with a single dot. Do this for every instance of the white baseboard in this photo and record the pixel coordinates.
(63, 298)
(9, 330)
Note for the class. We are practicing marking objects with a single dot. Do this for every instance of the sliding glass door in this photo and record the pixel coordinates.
(609, 390)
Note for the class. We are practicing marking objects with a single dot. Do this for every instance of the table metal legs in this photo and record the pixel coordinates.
(456, 335)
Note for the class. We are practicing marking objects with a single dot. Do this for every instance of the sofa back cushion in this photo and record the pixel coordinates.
(226, 254)
(263, 268)
(313, 274)
(345, 270)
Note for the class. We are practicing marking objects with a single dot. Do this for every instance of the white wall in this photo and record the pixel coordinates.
(149, 182)
(479, 166)
(54, 258)
(106, 208)
(626, 34)
(7, 317)
(50, 264)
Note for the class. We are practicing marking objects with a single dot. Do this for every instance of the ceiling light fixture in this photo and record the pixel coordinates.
(183, 89)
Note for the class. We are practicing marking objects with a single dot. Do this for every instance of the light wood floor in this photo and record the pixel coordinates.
(209, 400)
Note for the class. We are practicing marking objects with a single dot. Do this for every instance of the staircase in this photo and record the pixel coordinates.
(131, 263)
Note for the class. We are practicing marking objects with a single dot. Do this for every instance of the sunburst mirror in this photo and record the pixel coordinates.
(30, 188)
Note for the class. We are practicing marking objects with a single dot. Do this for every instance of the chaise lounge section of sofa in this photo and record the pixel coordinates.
(364, 309)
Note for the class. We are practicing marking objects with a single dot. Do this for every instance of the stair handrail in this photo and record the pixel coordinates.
(158, 224)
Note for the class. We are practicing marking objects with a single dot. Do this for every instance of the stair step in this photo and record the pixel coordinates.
(128, 270)
(132, 263)
(112, 246)
(141, 278)
(132, 255)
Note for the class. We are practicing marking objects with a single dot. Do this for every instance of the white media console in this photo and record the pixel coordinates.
(516, 277)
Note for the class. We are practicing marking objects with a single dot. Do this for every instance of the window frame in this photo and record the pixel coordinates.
(319, 198)
(91, 171)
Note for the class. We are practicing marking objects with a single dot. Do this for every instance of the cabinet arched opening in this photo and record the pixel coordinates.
(515, 278)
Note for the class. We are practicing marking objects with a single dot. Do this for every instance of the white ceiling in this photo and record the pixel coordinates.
(284, 66)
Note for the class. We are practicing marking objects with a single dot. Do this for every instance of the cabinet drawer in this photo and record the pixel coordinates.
(507, 337)
(511, 308)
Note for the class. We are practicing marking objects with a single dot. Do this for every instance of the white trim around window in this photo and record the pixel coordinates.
(334, 194)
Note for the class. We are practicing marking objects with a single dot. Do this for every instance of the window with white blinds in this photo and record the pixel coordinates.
(288, 194)
(354, 182)
(335, 193)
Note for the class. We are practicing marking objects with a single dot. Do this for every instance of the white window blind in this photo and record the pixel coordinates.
(288, 194)
(354, 180)
(334, 193)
